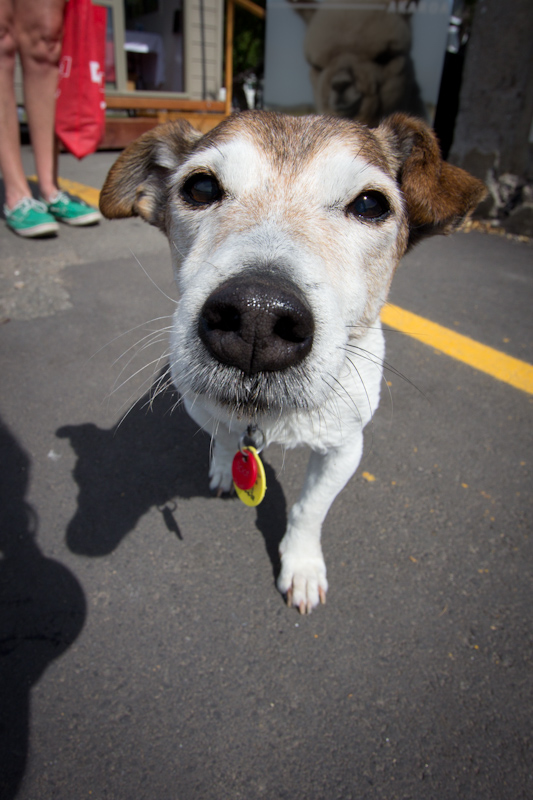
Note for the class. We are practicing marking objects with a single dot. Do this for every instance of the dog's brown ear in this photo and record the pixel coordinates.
(137, 182)
(438, 196)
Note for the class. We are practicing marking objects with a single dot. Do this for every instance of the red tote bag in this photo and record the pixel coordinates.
(80, 98)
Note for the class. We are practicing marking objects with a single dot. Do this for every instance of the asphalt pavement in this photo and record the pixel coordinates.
(146, 652)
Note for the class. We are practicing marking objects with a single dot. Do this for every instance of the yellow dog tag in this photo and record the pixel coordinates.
(248, 467)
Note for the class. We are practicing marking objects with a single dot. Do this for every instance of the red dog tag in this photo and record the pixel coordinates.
(244, 470)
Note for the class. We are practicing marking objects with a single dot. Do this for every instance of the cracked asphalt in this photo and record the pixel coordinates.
(145, 651)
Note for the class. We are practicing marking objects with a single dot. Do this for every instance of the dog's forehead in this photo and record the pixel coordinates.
(331, 154)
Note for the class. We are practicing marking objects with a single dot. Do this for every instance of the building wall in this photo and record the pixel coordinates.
(204, 33)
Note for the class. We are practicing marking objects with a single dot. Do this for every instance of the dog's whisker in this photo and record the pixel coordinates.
(181, 254)
(369, 356)
(211, 423)
(159, 289)
(118, 383)
(118, 387)
(283, 458)
(389, 392)
(320, 425)
(382, 364)
(175, 405)
(141, 345)
(162, 383)
(370, 409)
(146, 405)
(211, 447)
(348, 400)
(131, 407)
(126, 333)
(153, 337)
(374, 328)
(133, 400)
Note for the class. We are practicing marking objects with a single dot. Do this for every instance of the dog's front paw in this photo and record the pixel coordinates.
(303, 578)
(220, 477)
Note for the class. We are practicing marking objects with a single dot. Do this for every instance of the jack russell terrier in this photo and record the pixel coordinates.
(285, 234)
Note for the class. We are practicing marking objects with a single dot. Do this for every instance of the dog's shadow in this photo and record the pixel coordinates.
(149, 459)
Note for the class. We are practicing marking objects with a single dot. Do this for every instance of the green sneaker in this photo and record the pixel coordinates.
(30, 218)
(72, 212)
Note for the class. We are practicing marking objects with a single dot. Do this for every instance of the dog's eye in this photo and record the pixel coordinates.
(370, 205)
(201, 190)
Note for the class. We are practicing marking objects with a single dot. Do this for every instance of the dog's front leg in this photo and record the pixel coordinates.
(224, 447)
(303, 570)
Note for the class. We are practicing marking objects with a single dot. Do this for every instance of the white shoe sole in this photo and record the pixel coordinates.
(45, 229)
(79, 222)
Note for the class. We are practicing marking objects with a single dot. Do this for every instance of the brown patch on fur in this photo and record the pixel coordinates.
(292, 142)
(438, 196)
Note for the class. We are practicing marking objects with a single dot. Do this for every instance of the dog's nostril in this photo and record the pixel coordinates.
(221, 317)
(290, 330)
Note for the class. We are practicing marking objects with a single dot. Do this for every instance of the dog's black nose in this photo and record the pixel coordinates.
(257, 324)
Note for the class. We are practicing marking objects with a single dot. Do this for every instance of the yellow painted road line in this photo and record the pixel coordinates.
(86, 193)
(80, 190)
(479, 356)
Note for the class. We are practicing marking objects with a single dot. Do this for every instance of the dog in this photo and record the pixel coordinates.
(360, 60)
(285, 233)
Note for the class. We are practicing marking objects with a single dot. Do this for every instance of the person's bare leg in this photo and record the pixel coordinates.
(15, 183)
(38, 33)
